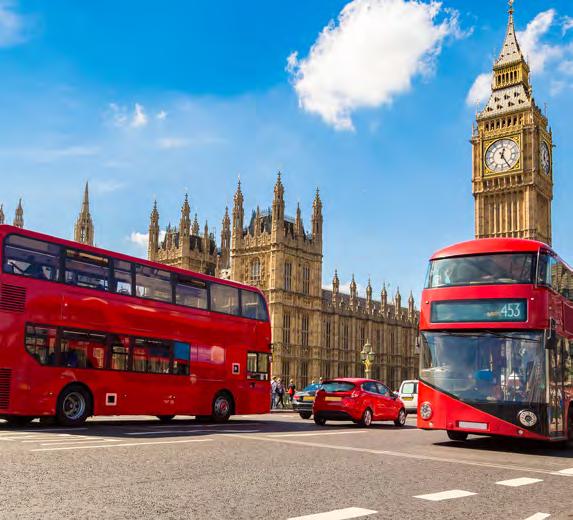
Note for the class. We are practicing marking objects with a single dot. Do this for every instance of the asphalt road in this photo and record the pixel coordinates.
(275, 467)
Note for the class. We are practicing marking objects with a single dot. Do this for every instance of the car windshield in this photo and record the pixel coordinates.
(337, 386)
(505, 268)
(409, 388)
(310, 388)
(486, 366)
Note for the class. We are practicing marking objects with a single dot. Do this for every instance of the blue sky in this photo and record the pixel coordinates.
(149, 99)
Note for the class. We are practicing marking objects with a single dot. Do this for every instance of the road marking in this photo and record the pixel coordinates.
(191, 431)
(404, 455)
(317, 433)
(125, 444)
(56, 443)
(225, 425)
(42, 430)
(337, 514)
(538, 516)
(517, 482)
(446, 495)
(568, 471)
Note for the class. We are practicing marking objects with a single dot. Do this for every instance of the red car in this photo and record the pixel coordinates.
(359, 400)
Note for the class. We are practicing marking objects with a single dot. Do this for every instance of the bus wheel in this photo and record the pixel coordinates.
(18, 420)
(222, 406)
(165, 418)
(457, 436)
(74, 406)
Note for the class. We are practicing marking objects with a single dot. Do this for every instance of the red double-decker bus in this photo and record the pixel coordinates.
(496, 341)
(84, 331)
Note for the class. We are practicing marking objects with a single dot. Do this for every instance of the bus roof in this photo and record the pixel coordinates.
(6, 229)
(491, 245)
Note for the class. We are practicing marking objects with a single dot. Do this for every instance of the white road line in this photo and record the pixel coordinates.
(42, 430)
(538, 516)
(121, 445)
(337, 514)
(317, 433)
(57, 443)
(517, 482)
(225, 425)
(191, 431)
(404, 455)
(446, 495)
(568, 471)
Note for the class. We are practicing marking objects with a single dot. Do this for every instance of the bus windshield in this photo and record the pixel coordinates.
(492, 269)
(486, 366)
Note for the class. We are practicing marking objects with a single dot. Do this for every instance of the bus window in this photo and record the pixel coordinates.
(153, 283)
(41, 343)
(191, 293)
(80, 349)
(86, 270)
(181, 359)
(119, 352)
(224, 299)
(253, 306)
(28, 257)
(258, 365)
(122, 277)
(151, 355)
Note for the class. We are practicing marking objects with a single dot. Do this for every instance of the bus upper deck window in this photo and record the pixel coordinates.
(33, 258)
(253, 305)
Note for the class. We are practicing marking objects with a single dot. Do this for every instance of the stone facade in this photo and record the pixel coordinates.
(316, 332)
(18, 215)
(512, 154)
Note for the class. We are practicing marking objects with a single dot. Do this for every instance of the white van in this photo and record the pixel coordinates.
(409, 394)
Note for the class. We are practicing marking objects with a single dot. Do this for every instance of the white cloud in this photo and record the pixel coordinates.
(480, 90)
(557, 86)
(11, 25)
(139, 116)
(169, 143)
(567, 24)
(161, 115)
(49, 155)
(536, 52)
(142, 239)
(369, 56)
(120, 116)
(103, 187)
(566, 67)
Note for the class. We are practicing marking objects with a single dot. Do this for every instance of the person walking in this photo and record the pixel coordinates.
(291, 391)
(280, 394)
(273, 392)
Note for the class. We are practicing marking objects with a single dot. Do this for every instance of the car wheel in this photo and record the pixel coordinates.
(319, 420)
(457, 436)
(222, 407)
(18, 420)
(305, 415)
(74, 406)
(401, 419)
(366, 420)
(165, 418)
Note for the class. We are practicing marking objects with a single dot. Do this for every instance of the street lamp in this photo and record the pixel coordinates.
(367, 357)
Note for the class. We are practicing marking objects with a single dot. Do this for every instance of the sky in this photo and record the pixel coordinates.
(372, 101)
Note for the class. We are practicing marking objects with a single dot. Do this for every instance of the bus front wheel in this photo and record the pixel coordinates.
(457, 436)
(222, 407)
(74, 406)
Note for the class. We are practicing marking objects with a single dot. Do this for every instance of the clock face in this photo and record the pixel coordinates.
(502, 155)
(545, 158)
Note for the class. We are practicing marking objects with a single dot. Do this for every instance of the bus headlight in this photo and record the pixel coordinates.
(527, 418)
(426, 411)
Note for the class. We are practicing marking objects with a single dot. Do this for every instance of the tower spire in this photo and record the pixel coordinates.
(84, 228)
(510, 51)
(1, 213)
(153, 243)
(19, 216)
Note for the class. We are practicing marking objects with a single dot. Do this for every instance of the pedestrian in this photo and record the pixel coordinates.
(280, 393)
(291, 391)
(273, 392)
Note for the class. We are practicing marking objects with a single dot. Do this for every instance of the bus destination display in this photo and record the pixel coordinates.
(502, 310)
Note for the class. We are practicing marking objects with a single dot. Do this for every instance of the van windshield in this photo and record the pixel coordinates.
(409, 388)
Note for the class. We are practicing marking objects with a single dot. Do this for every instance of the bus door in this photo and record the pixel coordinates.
(557, 398)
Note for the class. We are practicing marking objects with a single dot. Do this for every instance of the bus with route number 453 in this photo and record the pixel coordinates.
(496, 327)
(85, 331)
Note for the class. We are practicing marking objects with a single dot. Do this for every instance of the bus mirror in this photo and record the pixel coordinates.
(551, 335)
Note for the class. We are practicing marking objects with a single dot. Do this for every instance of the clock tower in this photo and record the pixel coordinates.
(512, 176)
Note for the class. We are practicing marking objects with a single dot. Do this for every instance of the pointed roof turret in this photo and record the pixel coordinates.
(238, 198)
(154, 213)
(19, 215)
(1, 213)
(226, 219)
(279, 188)
(510, 52)
(84, 228)
(195, 226)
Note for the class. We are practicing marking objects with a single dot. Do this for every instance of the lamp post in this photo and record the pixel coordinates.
(367, 357)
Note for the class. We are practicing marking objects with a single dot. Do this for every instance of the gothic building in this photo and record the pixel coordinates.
(18, 215)
(316, 332)
(84, 227)
(512, 153)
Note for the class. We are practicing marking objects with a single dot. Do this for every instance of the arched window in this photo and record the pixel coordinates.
(255, 271)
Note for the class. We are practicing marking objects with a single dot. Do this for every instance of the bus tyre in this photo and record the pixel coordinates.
(401, 419)
(222, 407)
(305, 415)
(165, 418)
(457, 436)
(74, 406)
(18, 420)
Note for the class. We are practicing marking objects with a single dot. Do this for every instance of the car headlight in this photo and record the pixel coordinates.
(527, 418)
(426, 411)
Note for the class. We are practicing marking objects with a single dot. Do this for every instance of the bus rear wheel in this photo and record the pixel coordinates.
(74, 406)
(165, 418)
(18, 420)
(457, 436)
(222, 407)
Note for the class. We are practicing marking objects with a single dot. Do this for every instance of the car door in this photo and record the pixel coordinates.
(389, 404)
(373, 399)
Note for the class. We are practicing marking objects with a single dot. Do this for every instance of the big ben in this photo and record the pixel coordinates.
(512, 153)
